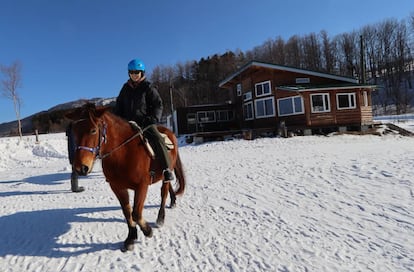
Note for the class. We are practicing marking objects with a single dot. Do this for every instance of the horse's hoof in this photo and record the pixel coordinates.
(128, 246)
(161, 218)
(160, 222)
(148, 232)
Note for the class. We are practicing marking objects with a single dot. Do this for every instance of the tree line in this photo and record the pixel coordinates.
(379, 54)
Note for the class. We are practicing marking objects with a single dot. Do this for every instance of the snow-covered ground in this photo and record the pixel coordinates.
(315, 203)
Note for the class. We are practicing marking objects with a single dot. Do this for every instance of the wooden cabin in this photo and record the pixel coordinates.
(269, 97)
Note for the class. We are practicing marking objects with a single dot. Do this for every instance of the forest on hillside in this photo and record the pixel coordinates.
(380, 54)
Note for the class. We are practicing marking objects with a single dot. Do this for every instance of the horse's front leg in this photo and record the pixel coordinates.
(139, 200)
(123, 197)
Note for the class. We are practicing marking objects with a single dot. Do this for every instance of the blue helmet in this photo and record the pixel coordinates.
(136, 65)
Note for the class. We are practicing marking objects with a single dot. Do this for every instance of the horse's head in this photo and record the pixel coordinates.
(89, 132)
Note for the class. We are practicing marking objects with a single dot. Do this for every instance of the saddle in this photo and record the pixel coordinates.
(168, 143)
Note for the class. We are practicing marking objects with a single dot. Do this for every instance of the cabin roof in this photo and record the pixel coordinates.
(310, 88)
(258, 64)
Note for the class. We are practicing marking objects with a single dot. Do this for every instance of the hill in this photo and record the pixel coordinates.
(51, 120)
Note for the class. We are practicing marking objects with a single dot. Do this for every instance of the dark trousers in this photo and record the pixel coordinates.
(157, 143)
(71, 155)
(71, 144)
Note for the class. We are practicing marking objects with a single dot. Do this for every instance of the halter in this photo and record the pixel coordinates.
(96, 150)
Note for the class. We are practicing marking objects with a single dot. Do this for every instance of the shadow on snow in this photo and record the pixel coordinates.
(36, 233)
(48, 179)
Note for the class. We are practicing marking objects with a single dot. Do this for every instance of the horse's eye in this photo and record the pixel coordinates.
(93, 131)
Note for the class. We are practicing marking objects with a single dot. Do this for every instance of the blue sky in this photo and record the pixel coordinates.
(72, 49)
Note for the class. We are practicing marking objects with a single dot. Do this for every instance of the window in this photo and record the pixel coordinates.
(263, 88)
(224, 115)
(191, 118)
(247, 96)
(206, 116)
(290, 106)
(239, 89)
(345, 101)
(265, 107)
(248, 111)
(320, 103)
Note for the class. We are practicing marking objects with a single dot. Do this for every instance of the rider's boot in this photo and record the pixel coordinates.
(161, 152)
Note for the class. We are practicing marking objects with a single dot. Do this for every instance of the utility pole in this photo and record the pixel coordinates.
(172, 106)
(363, 71)
(171, 97)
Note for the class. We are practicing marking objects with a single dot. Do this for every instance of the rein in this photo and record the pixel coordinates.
(139, 133)
(97, 150)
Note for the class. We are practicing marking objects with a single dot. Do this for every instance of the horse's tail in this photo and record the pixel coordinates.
(179, 174)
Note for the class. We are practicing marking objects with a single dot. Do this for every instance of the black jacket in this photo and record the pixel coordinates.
(141, 103)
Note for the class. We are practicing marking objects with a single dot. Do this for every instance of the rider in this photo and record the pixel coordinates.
(71, 153)
(139, 101)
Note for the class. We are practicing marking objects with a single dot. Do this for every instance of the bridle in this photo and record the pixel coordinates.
(103, 140)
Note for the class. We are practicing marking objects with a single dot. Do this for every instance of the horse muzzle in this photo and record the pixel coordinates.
(83, 170)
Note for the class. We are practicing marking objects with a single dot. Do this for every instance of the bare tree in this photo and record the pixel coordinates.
(293, 52)
(267, 51)
(327, 56)
(348, 44)
(9, 86)
(401, 57)
(369, 34)
(311, 52)
(411, 20)
(279, 54)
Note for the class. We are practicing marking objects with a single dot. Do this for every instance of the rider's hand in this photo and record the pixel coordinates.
(150, 120)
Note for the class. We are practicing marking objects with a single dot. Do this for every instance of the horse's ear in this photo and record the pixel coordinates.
(91, 110)
(81, 112)
(99, 111)
(89, 106)
(73, 114)
(86, 110)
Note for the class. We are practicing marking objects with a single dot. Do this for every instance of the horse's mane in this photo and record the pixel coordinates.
(93, 112)
(89, 111)
(115, 120)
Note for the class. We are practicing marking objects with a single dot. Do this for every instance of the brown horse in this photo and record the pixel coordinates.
(126, 163)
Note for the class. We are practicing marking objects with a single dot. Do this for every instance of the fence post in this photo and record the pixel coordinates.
(37, 136)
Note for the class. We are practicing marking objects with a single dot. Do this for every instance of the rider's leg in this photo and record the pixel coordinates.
(71, 154)
(74, 182)
(161, 152)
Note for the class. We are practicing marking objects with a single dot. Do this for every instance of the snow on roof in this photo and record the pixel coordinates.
(300, 88)
(287, 69)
